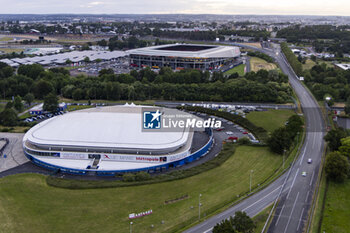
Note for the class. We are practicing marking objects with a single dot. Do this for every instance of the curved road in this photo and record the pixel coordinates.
(296, 191)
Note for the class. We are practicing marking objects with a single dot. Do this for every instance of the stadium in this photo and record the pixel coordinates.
(111, 140)
(183, 56)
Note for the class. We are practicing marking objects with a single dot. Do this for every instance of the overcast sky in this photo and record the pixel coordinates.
(307, 7)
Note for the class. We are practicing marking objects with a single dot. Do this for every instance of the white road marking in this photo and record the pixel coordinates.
(279, 215)
(312, 177)
(261, 198)
(208, 230)
(301, 216)
(303, 154)
(291, 213)
(307, 195)
(290, 189)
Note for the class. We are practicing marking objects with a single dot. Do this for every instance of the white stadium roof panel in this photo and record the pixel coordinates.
(107, 127)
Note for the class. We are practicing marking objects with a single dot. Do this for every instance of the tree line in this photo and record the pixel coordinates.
(328, 81)
(337, 164)
(292, 59)
(282, 138)
(191, 85)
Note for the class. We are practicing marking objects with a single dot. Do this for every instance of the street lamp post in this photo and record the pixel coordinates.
(199, 207)
(250, 180)
(130, 227)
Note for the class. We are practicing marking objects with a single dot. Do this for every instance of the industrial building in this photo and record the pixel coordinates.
(75, 57)
(183, 56)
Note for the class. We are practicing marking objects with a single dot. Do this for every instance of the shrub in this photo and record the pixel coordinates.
(129, 177)
(141, 176)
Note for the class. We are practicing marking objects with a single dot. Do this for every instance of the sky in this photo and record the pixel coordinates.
(262, 7)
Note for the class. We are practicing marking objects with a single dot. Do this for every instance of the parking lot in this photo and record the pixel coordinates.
(39, 118)
(119, 66)
(13, 154)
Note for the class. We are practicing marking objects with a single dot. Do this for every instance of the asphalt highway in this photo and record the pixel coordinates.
(294, 190)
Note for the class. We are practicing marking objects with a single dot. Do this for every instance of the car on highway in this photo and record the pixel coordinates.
(303, 174)
(309, 161)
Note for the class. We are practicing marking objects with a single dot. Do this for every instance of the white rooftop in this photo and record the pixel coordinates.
(103, 127)
(75, 56)
(343, 66)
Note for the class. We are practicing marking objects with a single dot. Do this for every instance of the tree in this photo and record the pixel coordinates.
(31, 71)
(279, 141)
(294, 125)
(224, 227)
(29, 98)
(42, 88)
(333, 138)
(8, 117)
(86, 59)
(105, 71)
(344, 149)
(78, 94)
(337, 166)
(243, 223)
(50, 103)
(17, 103)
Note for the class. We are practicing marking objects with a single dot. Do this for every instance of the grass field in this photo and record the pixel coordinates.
(256, 44)
(28, 204)
(271, 119)
(238, 69)
(2, 106)
(336, 216)
(6, 38)
(11, 50)
(261, 218)
(258, 64)
(308, 64)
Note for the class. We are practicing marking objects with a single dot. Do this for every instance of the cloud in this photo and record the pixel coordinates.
(317, 7)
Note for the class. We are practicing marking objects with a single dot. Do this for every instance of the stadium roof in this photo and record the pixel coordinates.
(188, 50)
(115, 127)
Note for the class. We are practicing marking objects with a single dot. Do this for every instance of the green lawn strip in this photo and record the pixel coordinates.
(71, 108)
(42, 208)
(271, 119)
(25, 115)
(238, 69)
(337, 208)
(137, 102)
(261, 218)
(6, 38)
(320, 199)
(308, 64)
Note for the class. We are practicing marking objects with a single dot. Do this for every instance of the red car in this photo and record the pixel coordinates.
(232, 138)
(245, 132)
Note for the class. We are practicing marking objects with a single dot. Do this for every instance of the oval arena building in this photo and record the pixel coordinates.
(108, 141)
